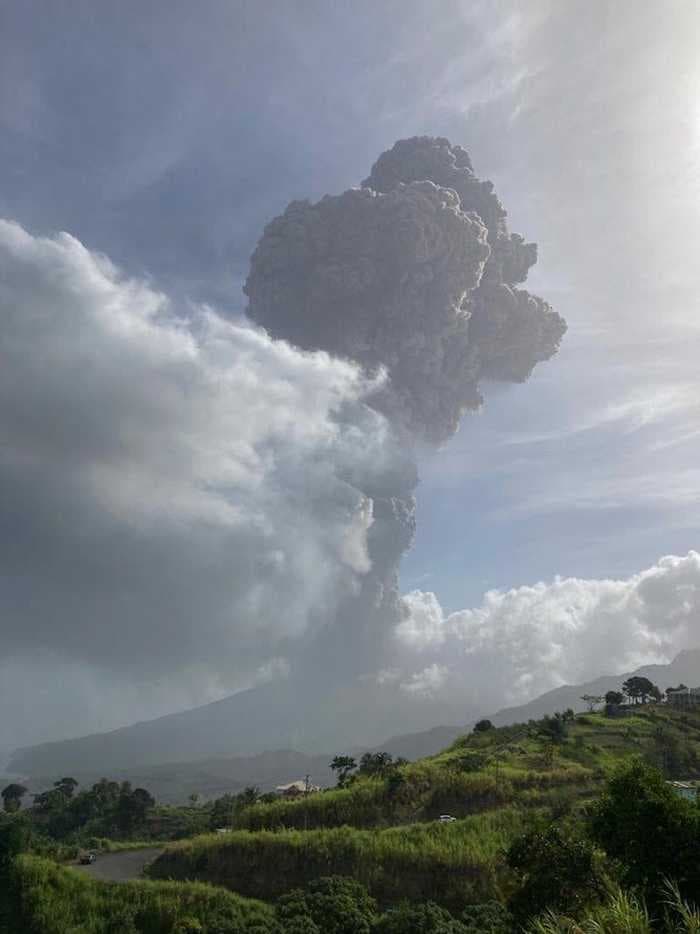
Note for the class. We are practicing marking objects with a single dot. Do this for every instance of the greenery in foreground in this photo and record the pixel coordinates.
(449, 863)
(566, 825)
(558, 762)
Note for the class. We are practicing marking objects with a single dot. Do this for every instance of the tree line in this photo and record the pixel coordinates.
(108, 807)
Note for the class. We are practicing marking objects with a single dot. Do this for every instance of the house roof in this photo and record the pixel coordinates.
(299, 785)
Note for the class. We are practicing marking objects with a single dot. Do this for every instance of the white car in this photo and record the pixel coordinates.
(446, 818)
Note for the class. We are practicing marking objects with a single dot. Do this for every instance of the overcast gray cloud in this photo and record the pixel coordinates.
(180, 495)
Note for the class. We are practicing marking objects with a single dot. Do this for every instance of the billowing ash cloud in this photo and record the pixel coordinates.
(416, 273)
(180, 497)
(194, 501)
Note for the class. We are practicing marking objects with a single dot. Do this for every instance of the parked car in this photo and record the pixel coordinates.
(87, 858)
(446, 818)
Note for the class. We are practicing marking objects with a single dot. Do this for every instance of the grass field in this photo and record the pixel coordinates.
(448, 863)
(51, 899)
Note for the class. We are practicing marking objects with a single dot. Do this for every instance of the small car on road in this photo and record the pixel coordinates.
(446, 818)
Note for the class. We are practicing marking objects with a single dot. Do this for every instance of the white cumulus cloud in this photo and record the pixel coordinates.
(521, 642)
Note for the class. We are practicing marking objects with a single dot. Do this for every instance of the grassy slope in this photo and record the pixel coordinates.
(50, 899)
(448, 863)
(492, 781)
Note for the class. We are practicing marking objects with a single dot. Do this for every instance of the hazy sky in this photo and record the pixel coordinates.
(165, 135)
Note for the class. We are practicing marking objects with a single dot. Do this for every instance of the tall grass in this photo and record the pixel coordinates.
(623, 913)
(427, 789)
(51, 899)
(446, 863)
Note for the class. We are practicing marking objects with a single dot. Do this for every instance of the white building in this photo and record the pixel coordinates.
(685, 698)
(685, 790)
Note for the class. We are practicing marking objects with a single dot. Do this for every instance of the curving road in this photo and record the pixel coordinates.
(121, 867)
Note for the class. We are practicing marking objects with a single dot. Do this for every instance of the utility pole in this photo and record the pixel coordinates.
(307, 785)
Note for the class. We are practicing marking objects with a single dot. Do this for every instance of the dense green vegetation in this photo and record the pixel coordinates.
(558, 762)
(450, 863)
(50, 899)
(565, 824)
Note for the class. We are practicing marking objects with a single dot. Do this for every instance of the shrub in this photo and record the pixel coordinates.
(52, 899)
(640, 821)
(555, 870)
(333, 905)
(419, 919)
(489, 918)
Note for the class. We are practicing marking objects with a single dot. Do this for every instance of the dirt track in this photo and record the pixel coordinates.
(121, 867)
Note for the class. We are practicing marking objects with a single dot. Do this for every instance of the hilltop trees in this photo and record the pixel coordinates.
(12, 797)
(639, 689)
(614, 698)
(107, 807)
(593, 701)
(376, 763)
(344, 766)
(66, 786)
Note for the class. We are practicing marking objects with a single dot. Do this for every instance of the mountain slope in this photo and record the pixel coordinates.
(684, 668)
(268, 718)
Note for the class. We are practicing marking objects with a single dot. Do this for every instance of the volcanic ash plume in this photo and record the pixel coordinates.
(415, 272)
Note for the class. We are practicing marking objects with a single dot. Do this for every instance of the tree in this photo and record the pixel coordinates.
(656, 694)
(132, 807)
(247, 797)
(419, 919)
(222, 811)
(640, 821)
(66, 786)
(376, 763)
(487, 918)
(553, 729)
(614, 698)
(593, 701)
(344, 766)
(12, 797)
(555, 870)
(483, 726)
(331, 905)
(637, 689)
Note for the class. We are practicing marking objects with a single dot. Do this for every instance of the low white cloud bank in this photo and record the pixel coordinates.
(522, 642)
(178, 493)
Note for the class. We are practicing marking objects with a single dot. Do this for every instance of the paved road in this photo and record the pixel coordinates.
(120, 867)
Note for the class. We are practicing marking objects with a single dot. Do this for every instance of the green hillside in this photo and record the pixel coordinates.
(556, 813)
(50, 899)
(520, 765)
(383, 829)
